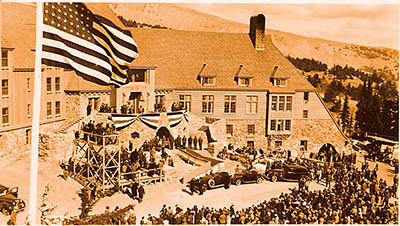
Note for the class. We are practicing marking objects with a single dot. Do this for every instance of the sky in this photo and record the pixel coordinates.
(372, 25)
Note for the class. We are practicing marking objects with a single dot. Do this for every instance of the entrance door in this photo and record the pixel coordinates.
(95, 102)
(134, 99)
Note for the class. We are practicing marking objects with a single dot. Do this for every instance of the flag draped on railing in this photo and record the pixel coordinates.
(150, 120)
(122, 121)
(91, 45)
(175, 118)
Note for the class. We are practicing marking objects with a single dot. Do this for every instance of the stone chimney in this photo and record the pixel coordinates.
(257, 31)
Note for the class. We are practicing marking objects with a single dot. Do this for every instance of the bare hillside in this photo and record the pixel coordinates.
(178, 17)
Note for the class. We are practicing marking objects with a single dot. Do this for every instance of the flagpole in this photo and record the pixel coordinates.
(36, 116)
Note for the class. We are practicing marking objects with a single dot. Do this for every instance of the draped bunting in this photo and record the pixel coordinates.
(122, 121)
(150, 120)
(175, 118)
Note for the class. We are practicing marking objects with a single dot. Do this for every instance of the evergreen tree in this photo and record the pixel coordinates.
(345, 116)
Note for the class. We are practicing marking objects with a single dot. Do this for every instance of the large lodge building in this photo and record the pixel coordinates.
(240, 78)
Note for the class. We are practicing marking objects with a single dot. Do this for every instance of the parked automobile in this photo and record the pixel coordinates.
(9, 199)
(214, 180)
(248, 176)
(261, 163)
(288, 173)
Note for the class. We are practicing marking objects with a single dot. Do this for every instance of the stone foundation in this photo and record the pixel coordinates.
(240, 136)
(316, 132)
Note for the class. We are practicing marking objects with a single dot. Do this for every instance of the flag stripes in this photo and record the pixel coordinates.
(122, 121)
(90, 44)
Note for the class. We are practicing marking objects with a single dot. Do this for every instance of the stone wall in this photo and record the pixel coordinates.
(13, 145)
(240, 135)
(316, 132)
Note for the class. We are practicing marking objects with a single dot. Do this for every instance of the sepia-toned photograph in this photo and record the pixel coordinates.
(124, 113)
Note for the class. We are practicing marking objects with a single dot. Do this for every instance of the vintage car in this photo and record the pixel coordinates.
(288, 173)
(261, 163)
(214, 180)
(9, 199)
(248, 176)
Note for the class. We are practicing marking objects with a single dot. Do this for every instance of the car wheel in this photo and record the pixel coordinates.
(5, 211)
(259, 180)
(274, 178)
(238, 182)
(211, 183)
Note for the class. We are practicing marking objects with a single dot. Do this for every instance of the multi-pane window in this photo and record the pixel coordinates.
(57, 84)
(244, 81)
(28, 110)
(185, 102)
(208, 81)
(229, 129)
(281, 103)
(208, 104)
(274, 103)
(58, 107)
(5, 115)
(48, 107)
(280, 125)
(306, 96)
(305, 113)
(4, 87)
(273, 125)
(288, 103)
(251, 104)
(288, 125)
(48, 84)
(250, 129)
(28, 84)
(280, 82)
(230, 104)
(278, 144)
(4, 58)
(250, 144)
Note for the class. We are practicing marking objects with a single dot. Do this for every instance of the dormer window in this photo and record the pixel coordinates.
(208, 80)
(280, 82)
(244, 81)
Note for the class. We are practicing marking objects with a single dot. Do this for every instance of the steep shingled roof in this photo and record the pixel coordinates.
(18, 32)
(180, 55)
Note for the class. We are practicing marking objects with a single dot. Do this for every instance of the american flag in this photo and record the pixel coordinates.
(93, 46)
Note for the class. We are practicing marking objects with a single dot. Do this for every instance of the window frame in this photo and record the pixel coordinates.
(305, 114)
(272, 126)
(274, 103)
(280, 82)
(7, 115)
(306, 96)
(5, 88)
(230, 104)
(288, 125)
(207, 104)
(4, 52)
(229, 129)
(205, 81)
(28, 84)
(304, 145)
(251, 129)
(49, 85)
(250, 102)
(288, 104)
(280, 102)
(185, 102)
(28, 110)
(59, 108)
(57, 84)
(49, 109)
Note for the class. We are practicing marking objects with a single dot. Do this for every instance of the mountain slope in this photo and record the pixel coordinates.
(330, 52)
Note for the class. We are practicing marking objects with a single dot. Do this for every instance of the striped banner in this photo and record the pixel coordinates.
(122, 121)
(150, 120)
(175, 118)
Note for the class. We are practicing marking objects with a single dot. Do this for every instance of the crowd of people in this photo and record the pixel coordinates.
(95, 131)
(192, 142)
(105, 108)
(352, 196)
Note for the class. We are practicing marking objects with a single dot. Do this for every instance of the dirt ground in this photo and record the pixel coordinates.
(172, 192)
(64, 193)
(16, 174)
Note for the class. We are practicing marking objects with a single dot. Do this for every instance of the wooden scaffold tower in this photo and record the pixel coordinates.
(96, 163)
